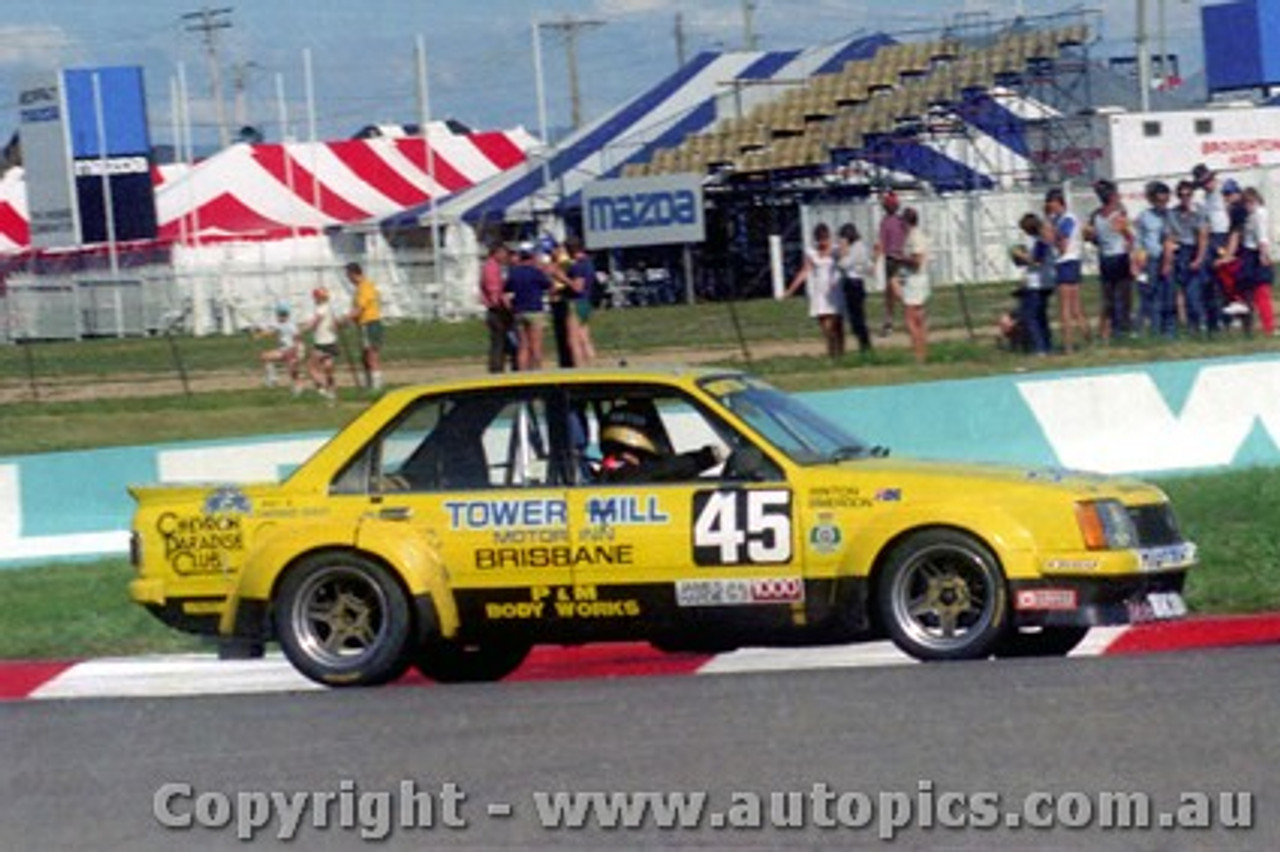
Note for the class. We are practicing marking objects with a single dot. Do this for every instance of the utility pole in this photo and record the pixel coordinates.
(749, 41)
(1143, 51)
(680, 42)
(568, 29)
(207, 22)
(240, 87)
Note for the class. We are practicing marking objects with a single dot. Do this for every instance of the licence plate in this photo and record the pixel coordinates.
(1157, 606)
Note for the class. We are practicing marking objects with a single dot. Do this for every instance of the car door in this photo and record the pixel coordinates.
(473, 477)
(707, 548)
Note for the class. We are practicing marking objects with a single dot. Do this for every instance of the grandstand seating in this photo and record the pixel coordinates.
(897, 89)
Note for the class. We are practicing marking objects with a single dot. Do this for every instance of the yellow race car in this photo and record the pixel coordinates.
(452, 527)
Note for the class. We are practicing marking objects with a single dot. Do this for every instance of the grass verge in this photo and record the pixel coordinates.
(83, 610)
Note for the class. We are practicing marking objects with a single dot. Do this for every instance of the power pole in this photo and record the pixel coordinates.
(1143, 51)
(207, 22)
(568, 29)
(680, 43)
(240, 87)
(749, 41)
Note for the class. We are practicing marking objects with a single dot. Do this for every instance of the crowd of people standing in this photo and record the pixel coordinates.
(836, 279)
(1197, 257)
(543, 279)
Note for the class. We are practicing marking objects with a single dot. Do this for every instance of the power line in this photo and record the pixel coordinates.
(208, 21)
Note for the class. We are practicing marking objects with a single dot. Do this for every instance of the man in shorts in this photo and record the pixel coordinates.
(366, 313)
(323, 328)
(889, 246)
(527, 285)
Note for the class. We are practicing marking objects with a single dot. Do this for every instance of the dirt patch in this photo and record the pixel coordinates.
(136, 385)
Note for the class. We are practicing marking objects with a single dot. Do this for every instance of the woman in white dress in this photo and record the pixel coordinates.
(915, 284)
(819, 276)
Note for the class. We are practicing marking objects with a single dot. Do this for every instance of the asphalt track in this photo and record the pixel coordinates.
(83, 774)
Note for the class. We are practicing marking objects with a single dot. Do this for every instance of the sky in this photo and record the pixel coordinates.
(479, 52)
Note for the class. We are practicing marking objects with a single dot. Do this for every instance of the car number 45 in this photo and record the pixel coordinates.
(738, 526)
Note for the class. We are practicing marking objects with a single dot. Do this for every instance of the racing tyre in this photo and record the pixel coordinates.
(452, 662)
(1045, 642)
(942, 596)
(344, 620)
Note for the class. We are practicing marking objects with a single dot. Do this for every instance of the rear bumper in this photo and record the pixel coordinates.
(1093, 601)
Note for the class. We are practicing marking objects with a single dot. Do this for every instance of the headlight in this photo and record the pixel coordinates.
(1105, 525)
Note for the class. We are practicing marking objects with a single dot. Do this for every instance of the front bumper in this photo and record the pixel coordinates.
(1097, 601)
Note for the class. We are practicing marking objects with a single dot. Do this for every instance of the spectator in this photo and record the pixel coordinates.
(1066, 235)
(889, 248)
(1228, 262)
(555, 262)
(1109, 228)
(289, 350)
(1035, 256)
(854, 262)
(1153, 264)
(1256, 258)
(826, 301)
(497, 313)
(527, 285)
(1189, 232)
(1219, 221)
(366, 313)
(582, 276)
(914, 283)
(323, 328)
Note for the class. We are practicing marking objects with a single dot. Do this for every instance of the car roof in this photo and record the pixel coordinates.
(589, 376)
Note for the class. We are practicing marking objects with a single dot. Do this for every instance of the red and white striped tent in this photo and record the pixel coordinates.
(274, 191)
(15, 232)
(278, 191)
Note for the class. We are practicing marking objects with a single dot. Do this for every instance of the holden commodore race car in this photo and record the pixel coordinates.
(452, 527)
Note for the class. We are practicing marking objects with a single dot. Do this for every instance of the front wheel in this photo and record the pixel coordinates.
(451, 662)
(344, 620)
(942, 596)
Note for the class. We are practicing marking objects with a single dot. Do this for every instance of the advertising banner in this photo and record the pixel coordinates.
(117, 146)
(648, 211)
(45, 157)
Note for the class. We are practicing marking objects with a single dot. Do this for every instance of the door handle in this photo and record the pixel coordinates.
(395, 513)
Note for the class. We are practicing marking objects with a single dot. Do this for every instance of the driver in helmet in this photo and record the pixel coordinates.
(632, 455)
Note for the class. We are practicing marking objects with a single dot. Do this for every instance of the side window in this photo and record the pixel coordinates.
(650, 435)
(467, 442)
(518, 445)
(688, 430)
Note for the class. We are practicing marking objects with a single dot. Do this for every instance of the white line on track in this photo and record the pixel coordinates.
(190, 674)
(204, 674)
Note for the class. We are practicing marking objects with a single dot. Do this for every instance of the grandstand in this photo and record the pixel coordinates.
(905, 94)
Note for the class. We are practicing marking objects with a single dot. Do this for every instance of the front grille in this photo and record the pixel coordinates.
(1156, 525)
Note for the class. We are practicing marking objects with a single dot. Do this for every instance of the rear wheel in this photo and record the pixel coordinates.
(942, 596)
(1045, 642)
(452, 662)
(344, 620)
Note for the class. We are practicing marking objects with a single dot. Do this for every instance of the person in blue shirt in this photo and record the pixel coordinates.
(526, 289)
(1109, 228)
(582, 278)
(1188, 227)
(1035, 256)
(1153, 264)
(1067, 237)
